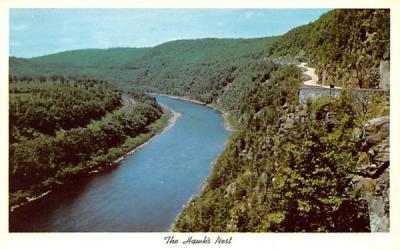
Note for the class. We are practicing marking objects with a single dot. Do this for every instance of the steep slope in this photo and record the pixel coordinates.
(61, 131)
(289, 167)
(346, 46)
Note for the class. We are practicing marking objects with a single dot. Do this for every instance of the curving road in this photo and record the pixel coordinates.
(127, 107)
(128, 103)
(149, 188)
(314, 78)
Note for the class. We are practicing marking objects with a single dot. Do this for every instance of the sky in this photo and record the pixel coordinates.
(35, 32)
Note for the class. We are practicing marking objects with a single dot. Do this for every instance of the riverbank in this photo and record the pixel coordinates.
(173, 117)
(165, 122)
(184, 98)
(227, 125)
(178, 159)
(225, 115)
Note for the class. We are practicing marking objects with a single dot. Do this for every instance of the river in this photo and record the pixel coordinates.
(148, 189)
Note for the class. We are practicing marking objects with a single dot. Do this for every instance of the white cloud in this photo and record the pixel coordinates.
(19, 27)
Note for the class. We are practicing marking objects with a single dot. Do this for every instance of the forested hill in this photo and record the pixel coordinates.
(348, 44)
(63, 129)
(290, 167)
(196, 68)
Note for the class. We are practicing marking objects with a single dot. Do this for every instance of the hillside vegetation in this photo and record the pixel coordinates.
(290, 165)
(59, 131)
(48, 107)
(198, 69)
(347, 43)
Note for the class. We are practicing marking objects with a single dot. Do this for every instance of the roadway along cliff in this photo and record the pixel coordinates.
(310, 72)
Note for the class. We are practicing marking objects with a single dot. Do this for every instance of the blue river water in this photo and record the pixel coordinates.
(146, 192)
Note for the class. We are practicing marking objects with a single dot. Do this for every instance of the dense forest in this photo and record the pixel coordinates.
(48, 107)
(347, 44)
(63, 129)
(287, 168)
(290, 166)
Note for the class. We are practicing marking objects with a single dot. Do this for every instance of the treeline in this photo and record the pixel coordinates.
(60, 78)
(348, 44)
(290, 166)
(51, 157)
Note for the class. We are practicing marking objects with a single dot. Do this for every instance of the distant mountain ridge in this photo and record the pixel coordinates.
(197, 68)
(289, 167)
(346, 46)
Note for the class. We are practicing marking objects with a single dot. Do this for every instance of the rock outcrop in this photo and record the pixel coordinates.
(372, 180)
(384, 73)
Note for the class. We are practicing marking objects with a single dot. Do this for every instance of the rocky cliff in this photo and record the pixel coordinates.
(346, 46)
(370, 183)
(371, 179)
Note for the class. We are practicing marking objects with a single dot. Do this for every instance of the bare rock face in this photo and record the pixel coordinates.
(379, 204)
(384, 71)
(358, 75)
(372, 180)
(377, 144)
(376, 130)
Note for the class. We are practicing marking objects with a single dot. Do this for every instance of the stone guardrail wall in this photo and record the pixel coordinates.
(314, 92)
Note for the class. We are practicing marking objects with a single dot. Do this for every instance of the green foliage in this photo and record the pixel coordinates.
(371, 106)
(289, 166)
(55, 156)
(311, 185)
(199, 69)
(348, 43)
(277, 177)
(48, 106)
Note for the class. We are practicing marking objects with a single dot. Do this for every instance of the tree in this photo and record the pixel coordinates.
(311, 188)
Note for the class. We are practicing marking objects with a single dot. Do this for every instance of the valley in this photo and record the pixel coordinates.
(291, 163)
